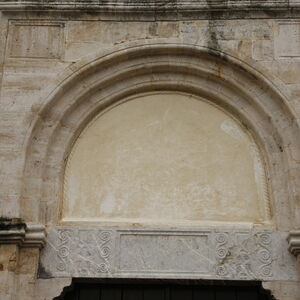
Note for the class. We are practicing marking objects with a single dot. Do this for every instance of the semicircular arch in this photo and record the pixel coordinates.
(91, 86)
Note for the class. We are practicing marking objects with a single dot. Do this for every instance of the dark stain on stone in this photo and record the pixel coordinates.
(213, 42)
(218, 55)
(242, 68)
(43, 273)
(11, 223)
(153, 29)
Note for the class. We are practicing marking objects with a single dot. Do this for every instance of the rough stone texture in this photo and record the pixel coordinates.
(284, 290)
(59, 69)
(208, 254)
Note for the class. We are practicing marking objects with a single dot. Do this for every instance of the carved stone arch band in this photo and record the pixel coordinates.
(94, 83)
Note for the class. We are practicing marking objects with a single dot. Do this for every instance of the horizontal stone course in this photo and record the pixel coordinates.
(231, 254)
(148, 6)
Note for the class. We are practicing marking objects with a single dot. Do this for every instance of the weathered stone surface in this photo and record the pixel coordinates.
(63, 62)
(287, 39)
(36, 40)
(206, 254)
(284, 290)
(294, 242)
(16, 231)
(146, 6)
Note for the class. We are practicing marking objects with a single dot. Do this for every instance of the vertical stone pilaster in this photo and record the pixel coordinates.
(9, 254)
(20, 246)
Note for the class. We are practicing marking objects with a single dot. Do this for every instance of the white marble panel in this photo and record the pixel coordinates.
(142, 253)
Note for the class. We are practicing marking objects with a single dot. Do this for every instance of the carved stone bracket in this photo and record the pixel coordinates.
(294, 242)
(15, 231)
(34, 236)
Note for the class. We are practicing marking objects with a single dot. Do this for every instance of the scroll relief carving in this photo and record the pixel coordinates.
(244, 255)
(85, 252)
(207, 254)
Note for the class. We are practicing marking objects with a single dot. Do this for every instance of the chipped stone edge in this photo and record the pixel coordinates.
(24, 235)
(294, 242)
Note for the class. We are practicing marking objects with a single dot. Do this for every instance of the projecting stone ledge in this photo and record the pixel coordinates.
(294, 242)
(148, 6)
(15, 231)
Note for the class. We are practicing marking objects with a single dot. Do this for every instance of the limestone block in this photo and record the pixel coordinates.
(36, 40)
(75, 50)
(86, 37)
(7, 285)
(8, 266)
(106, 32)
(164, 29)
(193, 32)
(230, 46)
(8, 257)
(287, 40)
(288, 71)
(284, 290)
(262, 50)
(263, 30)
(295, 96)
(50, 288)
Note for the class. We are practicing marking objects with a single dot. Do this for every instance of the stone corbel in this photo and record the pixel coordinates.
(294, 242)
(15, 231)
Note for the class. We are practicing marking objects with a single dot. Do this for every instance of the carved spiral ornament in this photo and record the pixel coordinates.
(102, 268)
(221, 271)
(230, 254)
(63, 252)
(105, 252)
(265, 239)
(222, 252)
(266, 270)
(61, 266)
(221, 238)
(64, 235)
(105, 236)
(264, 255)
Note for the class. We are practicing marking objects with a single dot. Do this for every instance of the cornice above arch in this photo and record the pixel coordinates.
(97, 81)
(162, 10)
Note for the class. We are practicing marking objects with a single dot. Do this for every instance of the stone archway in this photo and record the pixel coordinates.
(98, 82)
(165, 159)
(88, 87)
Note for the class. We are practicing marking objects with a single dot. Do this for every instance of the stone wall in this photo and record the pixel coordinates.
(63, 63)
